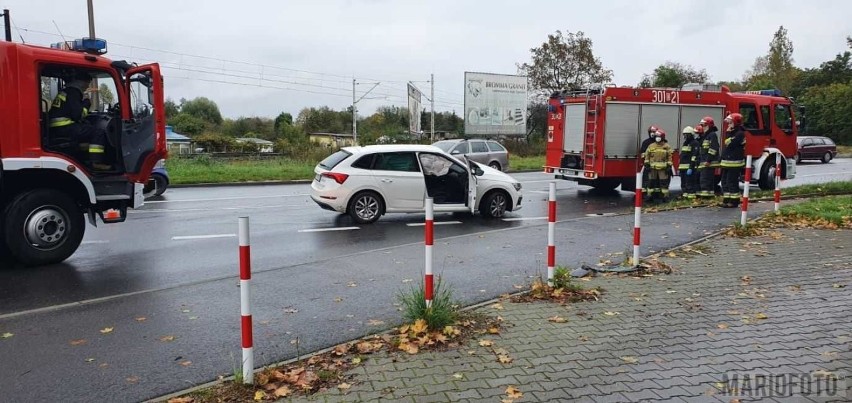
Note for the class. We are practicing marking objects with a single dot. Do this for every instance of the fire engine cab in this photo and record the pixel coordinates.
(594, 136)
(48, 187)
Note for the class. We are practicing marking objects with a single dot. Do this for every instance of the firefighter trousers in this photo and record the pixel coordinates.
(689, 183)
(731, 185)
(706, 181)
(78, 134)
(645, 179)
(659, 180)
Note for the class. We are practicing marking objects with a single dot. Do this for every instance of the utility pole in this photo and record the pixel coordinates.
(355, 109)
(6, 20)
(95, 97)
(432, 101)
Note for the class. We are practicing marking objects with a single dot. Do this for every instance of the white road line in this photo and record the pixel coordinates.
(94, 242)
(420, 224)
(180, 238)
(329, 229)
(212, 209)
(524, 218)
(224, 198)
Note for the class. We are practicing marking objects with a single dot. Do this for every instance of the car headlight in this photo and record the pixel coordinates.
(517, 186)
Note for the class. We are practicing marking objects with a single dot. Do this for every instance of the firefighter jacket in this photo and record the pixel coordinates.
(734, 155)
(68, 107)
(709, 151)
(659, 155)
(689, 153)
(645, 143)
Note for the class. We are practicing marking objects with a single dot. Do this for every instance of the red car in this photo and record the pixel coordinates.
(816, 148)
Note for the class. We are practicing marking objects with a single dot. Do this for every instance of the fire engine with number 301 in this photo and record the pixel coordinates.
(594, 136)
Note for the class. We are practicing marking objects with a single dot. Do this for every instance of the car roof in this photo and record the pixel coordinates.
(387, 148)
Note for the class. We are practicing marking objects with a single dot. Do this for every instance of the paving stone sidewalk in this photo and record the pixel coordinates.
(660, 338)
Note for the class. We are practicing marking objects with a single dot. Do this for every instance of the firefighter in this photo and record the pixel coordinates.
(658, 162)
(67, 120)
(652, 130)
(708, 158)
(688, 163)
(733, 160)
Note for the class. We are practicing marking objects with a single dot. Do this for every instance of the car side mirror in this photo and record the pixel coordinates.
(477, 171)
(455, 152)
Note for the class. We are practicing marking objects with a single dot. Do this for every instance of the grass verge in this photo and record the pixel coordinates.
(826, 211)
(813, 190)
(203, 169)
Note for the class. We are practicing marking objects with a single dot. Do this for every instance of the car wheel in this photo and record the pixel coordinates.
(826, 158)
(366, 207)
(494, 204)
(43, 226)
(156, 186)
(495, 165)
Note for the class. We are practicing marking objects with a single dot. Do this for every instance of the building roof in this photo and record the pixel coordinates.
(175, 137)
(332, 134)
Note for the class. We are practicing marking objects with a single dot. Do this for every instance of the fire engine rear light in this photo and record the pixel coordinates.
(338, 177)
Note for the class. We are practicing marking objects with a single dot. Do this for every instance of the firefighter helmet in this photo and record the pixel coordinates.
(707, 121)
(660, 133)
(734, 119)
(652, 129)
(688, 130)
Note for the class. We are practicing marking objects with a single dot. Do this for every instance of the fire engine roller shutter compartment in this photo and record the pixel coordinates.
(575, 122)
(622, 131)
(665, 117)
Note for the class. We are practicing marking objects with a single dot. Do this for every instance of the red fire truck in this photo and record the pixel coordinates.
(47, 188)
(594, 136)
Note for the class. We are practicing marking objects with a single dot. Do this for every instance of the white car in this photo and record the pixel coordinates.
(367, 182)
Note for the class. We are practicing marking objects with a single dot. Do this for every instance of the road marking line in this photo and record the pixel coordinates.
(94, 242)
(524, 218)
(329, 229)
(180, 238)
(224, 198)
(420, 224)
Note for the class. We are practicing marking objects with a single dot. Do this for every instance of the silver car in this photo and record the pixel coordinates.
(486, 152)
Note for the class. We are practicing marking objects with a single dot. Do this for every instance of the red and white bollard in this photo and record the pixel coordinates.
(245, 302)
(551, 233)
(777, 183)
(746, 186)
(429, 240)
(637, 219)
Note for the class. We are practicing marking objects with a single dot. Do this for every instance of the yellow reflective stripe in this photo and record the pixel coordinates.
(686, 149)
(711, 151)
(733, 163)
(683, 167)
(95, 148)
(85, 112)
(59, 122)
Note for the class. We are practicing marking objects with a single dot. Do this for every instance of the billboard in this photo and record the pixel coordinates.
(495, 104)
(414, 97)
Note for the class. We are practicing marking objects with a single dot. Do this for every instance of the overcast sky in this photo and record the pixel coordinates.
(261, 57)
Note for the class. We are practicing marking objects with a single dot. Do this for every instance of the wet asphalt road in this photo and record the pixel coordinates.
(174, 264)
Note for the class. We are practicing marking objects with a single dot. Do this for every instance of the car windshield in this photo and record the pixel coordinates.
(332, 160)
(445, 145)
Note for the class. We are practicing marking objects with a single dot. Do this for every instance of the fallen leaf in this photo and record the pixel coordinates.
(78, 342)
(608, 313)
(822, 373)
(504, 359)
(89, 359)
(722, 326)
(513, 392)
(185, 363)
(409, 347)
(486, 343)
(829, 354)
(186, 311)
(259, 395)
(375, 322)
(167, 338)
(132, 379)
(344, 386)
(290, 310)
(671, 254)
(352, 284)
(419, 326)
(408, 280)
(6, 335)
(584, 338)
(458, 375)
(356, 360)
(498, 306)
(838, 285)
(518, 287)
(630, 359)
(141, 319)
(196, 317)
(557, 319)
(106, 330)
(671, 291)
(341, 349)
(181, 400)
(493, 330)
(761, 315)
(338, 299)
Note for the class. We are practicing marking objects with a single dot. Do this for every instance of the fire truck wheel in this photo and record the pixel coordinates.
(51, 223)
(767, 177)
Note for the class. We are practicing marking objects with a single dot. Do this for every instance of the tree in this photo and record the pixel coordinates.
(776, 68)
(564, 62)
(188, 124)
(283, 119)
(203, 109)
(673, 75)
(829, 111)
(171, 108)
(212, 142)
(105, 95)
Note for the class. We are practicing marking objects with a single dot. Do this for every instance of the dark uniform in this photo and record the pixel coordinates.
(733, 162)
(689, 164)
(67, 121)
(708, 161)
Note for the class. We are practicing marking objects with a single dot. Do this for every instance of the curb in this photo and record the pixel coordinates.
(283, 182)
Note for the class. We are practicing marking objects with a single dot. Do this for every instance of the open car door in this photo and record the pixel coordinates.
(471, 184)
(143, 138)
